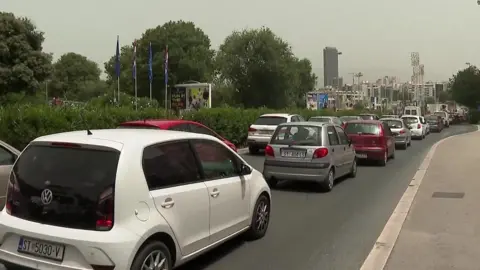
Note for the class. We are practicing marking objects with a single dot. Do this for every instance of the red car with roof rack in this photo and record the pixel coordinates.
(372, 139)
(177, 125)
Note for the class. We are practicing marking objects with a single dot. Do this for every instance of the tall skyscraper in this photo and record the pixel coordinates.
(330, 66)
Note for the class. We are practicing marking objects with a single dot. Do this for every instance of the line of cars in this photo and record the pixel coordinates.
(325, 148)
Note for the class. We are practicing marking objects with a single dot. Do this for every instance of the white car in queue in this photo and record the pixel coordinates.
(127, 199)
(418, 129)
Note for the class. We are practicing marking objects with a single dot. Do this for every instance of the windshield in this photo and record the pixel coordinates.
(362, 129)
(367, 117)
(297, 135)
(410, 120)
(393, 123)
(270, 120)
(320, 119)
(349, 118)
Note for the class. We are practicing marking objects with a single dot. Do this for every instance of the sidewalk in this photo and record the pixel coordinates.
(442, 229)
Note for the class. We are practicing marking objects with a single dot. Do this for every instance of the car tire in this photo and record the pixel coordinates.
(253, 150)
(153, 248)
(353, 170)
(329, 181)
(384, 161)
(260, 218)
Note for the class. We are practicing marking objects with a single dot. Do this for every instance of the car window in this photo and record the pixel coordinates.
(270, 120)
(393, 123)
(362, 129)
(300, 118)
(367, 117)
(422, 120)
(413, 112)
(180, 127)
(319, 119)
(293, 119)
(332, 136)
(169, 164)
(202, 130)
(6, 157)
(407, 112)
(337, 121)
(297, 135)
(410, 120)
(216, 160)
(387, 130)
(341, 134)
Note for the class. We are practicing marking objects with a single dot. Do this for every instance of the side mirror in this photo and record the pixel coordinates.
(245, 169)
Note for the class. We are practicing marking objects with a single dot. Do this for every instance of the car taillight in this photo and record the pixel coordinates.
(269, 151)
(320, 153)
(105, 210)
(12, 190)
(402, 131)
(419, 126)
(251, 129)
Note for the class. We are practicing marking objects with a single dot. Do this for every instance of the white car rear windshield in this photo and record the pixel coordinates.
(270, 120)
(362, 129)
(394, 123)
(320, 119)
(410, 120)
(297, 135)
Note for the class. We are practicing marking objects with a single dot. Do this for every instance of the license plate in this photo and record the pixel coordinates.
(361, 155)
(293, 153)
(41, 248)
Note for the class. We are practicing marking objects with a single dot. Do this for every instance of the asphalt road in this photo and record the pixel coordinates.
(336, 230)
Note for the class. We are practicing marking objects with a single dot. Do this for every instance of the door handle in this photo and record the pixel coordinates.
(214, 193)
(168, 203)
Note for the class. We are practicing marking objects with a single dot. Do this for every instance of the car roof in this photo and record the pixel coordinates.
(305, 123)
(160, 123)
(411, 115)
(367, 114)
(119, 138)
(390, 118)
(275, 115)
(326, 116)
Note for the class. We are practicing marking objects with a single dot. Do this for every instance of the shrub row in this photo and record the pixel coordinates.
(22, 123)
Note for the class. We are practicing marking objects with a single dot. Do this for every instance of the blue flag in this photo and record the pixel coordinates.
(150, 63)
(117, 59)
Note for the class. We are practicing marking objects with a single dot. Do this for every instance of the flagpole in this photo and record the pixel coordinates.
(135, 72)
(150, 71)
(117, 67)
(136, 93)
(166, 78)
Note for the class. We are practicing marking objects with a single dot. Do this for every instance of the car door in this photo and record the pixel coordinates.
(337, 150)
(348, 150)
(181, 127)
(179, 193)
(7, 158)
(229, 191)
(389, 138)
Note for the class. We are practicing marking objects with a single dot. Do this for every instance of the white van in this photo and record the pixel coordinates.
(412, 110)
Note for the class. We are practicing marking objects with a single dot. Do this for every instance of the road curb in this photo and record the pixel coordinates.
(378, 256)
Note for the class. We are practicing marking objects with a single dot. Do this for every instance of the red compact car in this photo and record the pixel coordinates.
(178, 125)
(372, 140)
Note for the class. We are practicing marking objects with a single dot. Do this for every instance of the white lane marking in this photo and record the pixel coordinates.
(378, 257)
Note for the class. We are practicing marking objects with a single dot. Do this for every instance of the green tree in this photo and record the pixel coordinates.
(189, 52)
(260, 67)
(465, 87)
(72, 74)
(23, 65)
(305, 81)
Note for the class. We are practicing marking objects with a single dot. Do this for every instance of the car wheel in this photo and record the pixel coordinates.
(260, 218)
(329, 181)
(253, 150)
(154, 255)
(384, 161)
(353, 170)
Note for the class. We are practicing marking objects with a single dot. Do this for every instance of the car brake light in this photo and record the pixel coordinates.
(269, 151)
(419, 126)
(65, 144)
(12, 190)
(251, 129)
(402, 131)
(320, 153)
(105, 210)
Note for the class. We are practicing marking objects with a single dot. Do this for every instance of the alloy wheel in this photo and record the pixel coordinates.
(156, 260)
(262, 216)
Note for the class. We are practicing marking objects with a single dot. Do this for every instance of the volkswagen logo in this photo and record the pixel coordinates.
(46, 196)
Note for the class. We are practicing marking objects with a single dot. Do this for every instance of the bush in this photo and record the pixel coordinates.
(22, 123)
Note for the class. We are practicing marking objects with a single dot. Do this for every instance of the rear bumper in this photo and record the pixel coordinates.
(82, 248)
(297, 171)
(400, 139)
(417, 132)
(373, 153)
(258, 141)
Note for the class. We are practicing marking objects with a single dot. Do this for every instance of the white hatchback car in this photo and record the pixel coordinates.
(417, 128)
(127, 199)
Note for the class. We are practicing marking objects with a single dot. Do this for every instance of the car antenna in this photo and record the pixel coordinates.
(89, 132)
(83, 120)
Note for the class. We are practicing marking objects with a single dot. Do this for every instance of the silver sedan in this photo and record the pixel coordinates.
(401, 131)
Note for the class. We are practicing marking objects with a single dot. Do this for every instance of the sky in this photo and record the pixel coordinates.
(376, 37)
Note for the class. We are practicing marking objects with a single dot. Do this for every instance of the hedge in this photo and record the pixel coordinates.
(22, 123)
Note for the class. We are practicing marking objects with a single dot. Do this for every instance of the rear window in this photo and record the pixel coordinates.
(349, 118)
(393, 123)
(320, 119)
(431, 118)
(410, 120)
(297, 135)
(362, 129)
(270, 120)
(367, 117)
(77, 177)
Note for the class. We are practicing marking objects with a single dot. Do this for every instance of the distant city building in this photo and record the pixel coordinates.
(330, 66)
